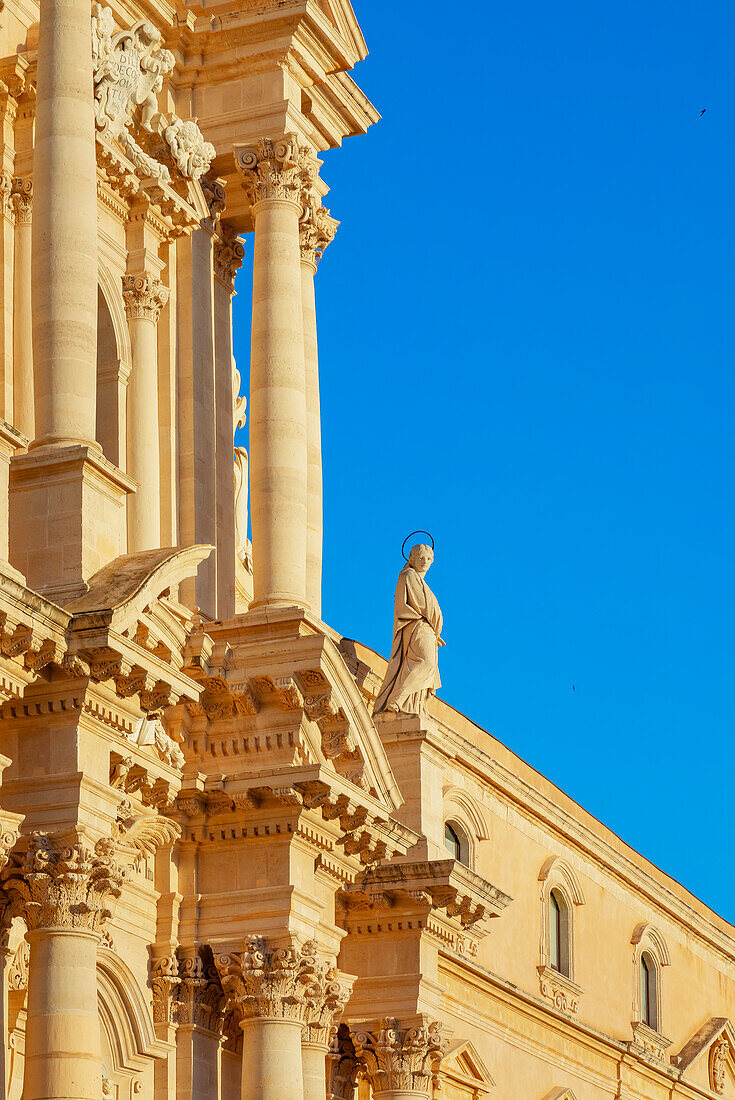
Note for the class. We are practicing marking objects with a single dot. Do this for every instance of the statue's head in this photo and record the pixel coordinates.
(421, 557)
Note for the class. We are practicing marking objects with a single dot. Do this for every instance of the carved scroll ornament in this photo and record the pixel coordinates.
(130, 67)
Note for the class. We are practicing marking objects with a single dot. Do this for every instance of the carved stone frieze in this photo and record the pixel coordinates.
(317, 230)
(397, 1057)
(58, 884)
(280, 169)
(282, 982)
(559, 989)
(144, 296)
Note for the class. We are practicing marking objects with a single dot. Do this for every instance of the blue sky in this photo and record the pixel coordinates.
(526, 333)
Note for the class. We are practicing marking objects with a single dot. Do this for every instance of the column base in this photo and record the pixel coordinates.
(67, 517)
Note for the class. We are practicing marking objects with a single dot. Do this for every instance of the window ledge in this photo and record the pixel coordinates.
(649, 1044)
(558, 988)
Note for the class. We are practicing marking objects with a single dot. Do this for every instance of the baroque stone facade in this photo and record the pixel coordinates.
(225, 872)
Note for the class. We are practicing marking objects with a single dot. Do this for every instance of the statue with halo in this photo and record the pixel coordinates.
(413, 670)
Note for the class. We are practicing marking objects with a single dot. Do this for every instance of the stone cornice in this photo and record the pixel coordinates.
(442, 884)
(489, 772)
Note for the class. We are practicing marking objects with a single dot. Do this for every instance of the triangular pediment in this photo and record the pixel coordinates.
(561, 1094)
(464, 1074)
(708, 1058)
(342, 17)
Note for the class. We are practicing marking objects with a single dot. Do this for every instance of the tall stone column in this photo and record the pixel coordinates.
(275, 175)
(21, 196)
(64, 894)
(400, 1059)
(9, 828)
(317, 230)
(144, 296)
(67, 501)
(64, 269)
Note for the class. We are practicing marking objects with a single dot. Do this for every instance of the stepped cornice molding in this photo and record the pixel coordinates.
(518, 793)
(468, 900)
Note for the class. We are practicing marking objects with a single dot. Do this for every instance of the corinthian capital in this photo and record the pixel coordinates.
(317, 230)
(396, 1057)
(229, 252)
(60, 885)
(281, 169)
(282, 983)
(21, 198)
(144, 296)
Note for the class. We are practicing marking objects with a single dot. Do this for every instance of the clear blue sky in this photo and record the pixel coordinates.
(526, 332)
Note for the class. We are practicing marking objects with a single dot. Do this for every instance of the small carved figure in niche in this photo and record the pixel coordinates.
(413, 670)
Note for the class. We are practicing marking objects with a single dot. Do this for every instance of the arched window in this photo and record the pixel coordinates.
(649, 999)
(456, 843)
(559, 953)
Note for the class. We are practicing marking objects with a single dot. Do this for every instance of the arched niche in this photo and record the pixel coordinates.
(127, 1039)
(113, 357)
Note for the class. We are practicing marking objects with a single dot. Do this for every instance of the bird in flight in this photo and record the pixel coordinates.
(702, 111)
(573, 688)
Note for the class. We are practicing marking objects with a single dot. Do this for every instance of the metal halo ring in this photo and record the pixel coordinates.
(403, 548)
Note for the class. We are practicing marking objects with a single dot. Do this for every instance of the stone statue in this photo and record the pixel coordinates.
(413, 670)
(242, 542)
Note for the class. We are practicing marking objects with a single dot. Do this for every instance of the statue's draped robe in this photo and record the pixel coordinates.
(413, 670)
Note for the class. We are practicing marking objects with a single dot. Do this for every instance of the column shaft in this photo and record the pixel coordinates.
(145, 297)
(64, 264)
(271, 1059)
(144, 507)
(314, 512)
(62, 1056)
(23, 400)
(278, 478)
(314, 1064)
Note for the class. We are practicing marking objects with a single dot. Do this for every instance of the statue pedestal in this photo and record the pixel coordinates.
(412, 742)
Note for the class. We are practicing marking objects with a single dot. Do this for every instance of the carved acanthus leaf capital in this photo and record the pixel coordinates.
(21, 198)
(282, 983)
(280, 169)
(229, 253)
(57, 884)
(396, 1057)
(317, 230)
(144, 296)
